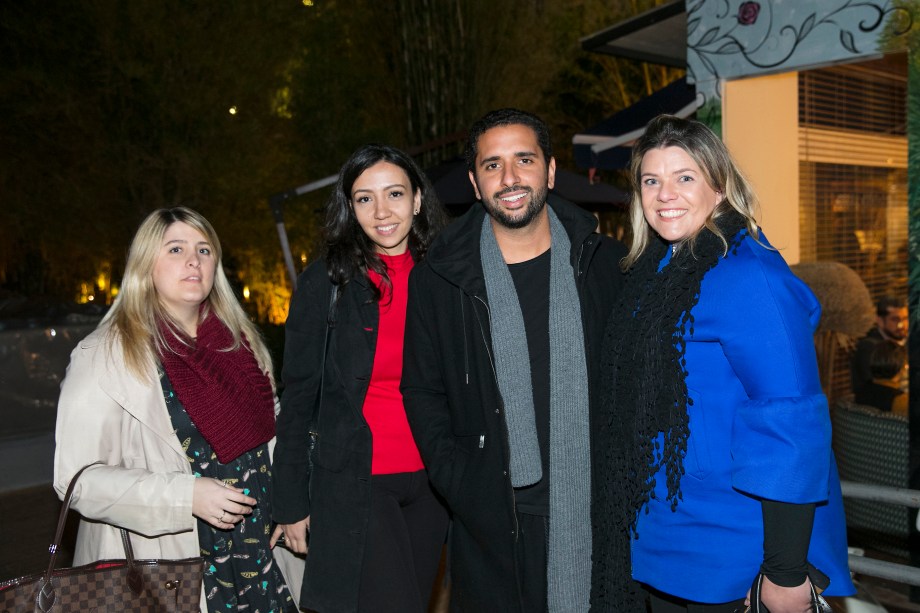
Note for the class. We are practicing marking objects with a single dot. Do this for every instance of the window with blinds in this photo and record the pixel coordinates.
(853, 170)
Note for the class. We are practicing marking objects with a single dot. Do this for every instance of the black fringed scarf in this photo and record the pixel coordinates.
(645, 394)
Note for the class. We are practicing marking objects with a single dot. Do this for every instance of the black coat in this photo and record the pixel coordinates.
(331, 483)
(453, 402)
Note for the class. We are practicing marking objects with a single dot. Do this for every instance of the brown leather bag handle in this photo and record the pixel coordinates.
(45, 596)
(62, 520)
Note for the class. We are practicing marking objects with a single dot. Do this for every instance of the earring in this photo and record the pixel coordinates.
(417, 210)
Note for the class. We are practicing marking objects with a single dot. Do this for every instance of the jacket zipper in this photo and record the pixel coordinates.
(466, 351)
(580, 285)
(313, 436)
(466, 357)
(501, 402)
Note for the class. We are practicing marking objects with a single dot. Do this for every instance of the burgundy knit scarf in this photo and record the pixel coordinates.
(229, 399)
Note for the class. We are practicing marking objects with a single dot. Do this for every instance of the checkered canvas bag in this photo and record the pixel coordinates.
(109, 586)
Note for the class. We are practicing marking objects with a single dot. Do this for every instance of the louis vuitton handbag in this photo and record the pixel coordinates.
(129, 585)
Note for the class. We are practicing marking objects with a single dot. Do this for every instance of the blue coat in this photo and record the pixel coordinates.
(759, 428)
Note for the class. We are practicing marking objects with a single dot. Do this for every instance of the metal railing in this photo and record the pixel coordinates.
(901, 573)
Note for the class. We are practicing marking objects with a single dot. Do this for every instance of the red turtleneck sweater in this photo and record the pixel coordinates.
(394, 448)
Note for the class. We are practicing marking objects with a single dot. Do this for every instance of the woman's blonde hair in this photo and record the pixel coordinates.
(134, 317)
(714, 160)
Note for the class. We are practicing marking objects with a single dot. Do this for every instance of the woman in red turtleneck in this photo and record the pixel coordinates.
(349, 485)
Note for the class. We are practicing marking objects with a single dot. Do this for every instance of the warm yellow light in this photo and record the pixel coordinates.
(308, 2)
(84, 292)
(246, 292)
(233, 110)
(101, 281)
(303, 257)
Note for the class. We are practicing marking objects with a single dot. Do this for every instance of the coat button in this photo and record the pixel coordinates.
(505, 472)
(497, 411)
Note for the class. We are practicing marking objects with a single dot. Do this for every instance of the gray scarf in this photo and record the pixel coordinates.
(569, 547)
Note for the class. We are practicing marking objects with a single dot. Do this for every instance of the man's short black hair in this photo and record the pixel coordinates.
(887, 360)
(888, 302)
(506, 117)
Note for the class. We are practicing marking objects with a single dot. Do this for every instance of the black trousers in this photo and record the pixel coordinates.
(530, 557)
(405, 534)
(665, 603)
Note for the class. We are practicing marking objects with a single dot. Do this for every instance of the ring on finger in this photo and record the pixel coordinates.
(221, 518)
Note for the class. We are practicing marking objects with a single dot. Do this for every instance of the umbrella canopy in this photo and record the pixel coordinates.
(452, 183)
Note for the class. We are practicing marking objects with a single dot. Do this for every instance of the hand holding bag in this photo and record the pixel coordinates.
(818, 604)
(129, 585)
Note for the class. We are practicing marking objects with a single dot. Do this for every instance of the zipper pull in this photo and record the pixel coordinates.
(482, 441)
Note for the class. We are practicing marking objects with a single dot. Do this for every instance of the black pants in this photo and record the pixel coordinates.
(405, 534)
(530, 557)
(665, 603)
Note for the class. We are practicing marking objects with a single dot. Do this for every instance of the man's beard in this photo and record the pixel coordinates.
(502, 216)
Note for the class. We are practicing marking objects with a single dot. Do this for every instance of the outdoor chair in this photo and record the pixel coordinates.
(872, 447)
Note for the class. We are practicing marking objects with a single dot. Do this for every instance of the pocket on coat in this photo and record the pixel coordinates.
(466, 418)
(329, 456)
(698, 462)
(451, 476)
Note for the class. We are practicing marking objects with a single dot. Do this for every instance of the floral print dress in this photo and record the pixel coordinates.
(240, 571)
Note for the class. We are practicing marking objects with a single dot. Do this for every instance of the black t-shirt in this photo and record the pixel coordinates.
(531, 280)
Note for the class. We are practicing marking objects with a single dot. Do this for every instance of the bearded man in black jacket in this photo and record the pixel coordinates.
(504, 324)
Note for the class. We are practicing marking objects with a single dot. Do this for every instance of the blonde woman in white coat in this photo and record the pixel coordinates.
(173, 393)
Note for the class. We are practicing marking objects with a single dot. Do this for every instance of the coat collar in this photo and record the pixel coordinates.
(143, 400)
(455, 253)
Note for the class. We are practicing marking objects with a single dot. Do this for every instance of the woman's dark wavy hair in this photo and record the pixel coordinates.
(349, 251)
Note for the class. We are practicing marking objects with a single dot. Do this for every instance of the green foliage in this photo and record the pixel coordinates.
(112, 109)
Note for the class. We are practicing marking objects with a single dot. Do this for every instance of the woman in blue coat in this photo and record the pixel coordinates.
(713, 465)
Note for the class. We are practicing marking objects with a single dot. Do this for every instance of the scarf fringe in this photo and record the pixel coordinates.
(645, 395)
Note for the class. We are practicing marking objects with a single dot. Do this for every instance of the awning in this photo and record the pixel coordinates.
(606, 145)
(658, 36)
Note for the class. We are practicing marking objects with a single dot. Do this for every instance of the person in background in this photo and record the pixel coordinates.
(712, 460)
(891, 324)
(505, 318)
(350, 488)
(173, 392)
(886, 365)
